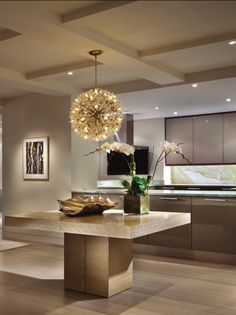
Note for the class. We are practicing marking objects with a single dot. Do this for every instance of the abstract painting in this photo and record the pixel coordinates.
(35, 158)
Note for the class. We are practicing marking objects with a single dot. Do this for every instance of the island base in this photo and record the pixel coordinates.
(98, 265)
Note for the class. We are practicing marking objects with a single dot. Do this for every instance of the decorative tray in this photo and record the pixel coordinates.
(89, 206)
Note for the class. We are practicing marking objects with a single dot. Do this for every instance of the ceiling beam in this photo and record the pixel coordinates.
(131, 86)
(152, 53)
(115, 54)
(123, 57)
(50, 87)
(101, 6)
(60, 69)
(212, 74)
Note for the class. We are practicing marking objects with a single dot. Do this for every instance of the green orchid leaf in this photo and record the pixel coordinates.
(126, 184)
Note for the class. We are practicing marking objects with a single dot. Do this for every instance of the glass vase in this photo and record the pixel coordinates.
(136, 204)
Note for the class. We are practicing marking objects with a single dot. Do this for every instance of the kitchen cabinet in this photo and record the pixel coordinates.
(214, 224)
(180, 130)
(179, 237)
(208, 139)
(229, 138)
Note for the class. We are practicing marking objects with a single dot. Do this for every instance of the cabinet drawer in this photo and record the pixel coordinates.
(179, 237)
(214, 224)
(170, 203)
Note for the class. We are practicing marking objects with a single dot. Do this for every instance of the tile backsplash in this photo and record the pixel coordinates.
(204, 174)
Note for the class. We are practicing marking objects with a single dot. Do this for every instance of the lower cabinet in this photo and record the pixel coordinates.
(214, 224)
(179, 237)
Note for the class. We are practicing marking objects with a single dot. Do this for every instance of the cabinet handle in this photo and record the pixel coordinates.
(217, 200)
(168, 198)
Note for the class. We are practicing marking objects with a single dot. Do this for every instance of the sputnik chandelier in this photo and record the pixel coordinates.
(96, 114)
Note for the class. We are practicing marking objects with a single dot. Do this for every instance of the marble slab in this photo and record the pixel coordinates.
(113, 223)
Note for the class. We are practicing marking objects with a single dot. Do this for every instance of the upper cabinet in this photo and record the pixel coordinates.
(207, 139)
(230, 138)
(180, 130)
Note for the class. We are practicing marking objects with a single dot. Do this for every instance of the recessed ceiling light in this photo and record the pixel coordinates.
(175, 113)
(156, 107)
(232, 42)
(69, 73)
(194, 85)
(228, 99)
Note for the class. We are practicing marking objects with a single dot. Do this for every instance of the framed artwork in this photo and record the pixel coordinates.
(35, 158)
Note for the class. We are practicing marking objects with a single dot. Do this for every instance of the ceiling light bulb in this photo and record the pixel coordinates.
(232, 42)
(194, 85)
(156, 107)
(175, 113)
(69, 73)
(228, 99)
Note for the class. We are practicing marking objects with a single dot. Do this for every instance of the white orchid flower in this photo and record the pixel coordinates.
(106, 147)
(126, 149)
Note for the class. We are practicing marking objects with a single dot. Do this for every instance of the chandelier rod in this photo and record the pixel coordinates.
(96, 73)
(95, 53)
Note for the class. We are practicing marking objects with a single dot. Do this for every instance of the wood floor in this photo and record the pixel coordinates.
(31, 283)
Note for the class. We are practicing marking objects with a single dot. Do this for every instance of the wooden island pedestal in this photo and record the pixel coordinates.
(98, 249)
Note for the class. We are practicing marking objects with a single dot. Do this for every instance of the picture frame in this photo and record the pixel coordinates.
(35, 158)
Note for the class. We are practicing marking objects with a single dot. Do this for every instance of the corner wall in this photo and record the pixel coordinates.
(36, 115)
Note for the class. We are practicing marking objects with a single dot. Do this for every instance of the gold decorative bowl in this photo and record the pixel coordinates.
(89, 206)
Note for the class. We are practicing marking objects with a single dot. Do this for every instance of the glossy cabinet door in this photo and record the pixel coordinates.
(208, 139)
(180, 130)
(230, 138)
(214, 224)
(179, 237)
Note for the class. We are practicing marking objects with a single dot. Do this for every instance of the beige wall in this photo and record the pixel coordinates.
(84, 168)
(30, 116)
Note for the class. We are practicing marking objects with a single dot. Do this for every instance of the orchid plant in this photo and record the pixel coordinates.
(139, 185)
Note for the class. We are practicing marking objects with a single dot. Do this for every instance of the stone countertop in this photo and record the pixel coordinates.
(160, 192)
(112, 223)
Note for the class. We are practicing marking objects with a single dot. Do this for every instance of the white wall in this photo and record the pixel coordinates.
(30, 116)
(84, 168)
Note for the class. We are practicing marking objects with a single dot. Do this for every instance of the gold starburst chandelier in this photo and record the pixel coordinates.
(96, 114)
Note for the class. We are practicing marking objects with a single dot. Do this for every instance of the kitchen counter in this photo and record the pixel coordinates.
(161, 192)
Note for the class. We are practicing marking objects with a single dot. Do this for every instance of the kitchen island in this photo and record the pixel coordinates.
(98, 255)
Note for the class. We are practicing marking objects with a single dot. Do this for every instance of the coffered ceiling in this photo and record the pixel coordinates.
(156, 46)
